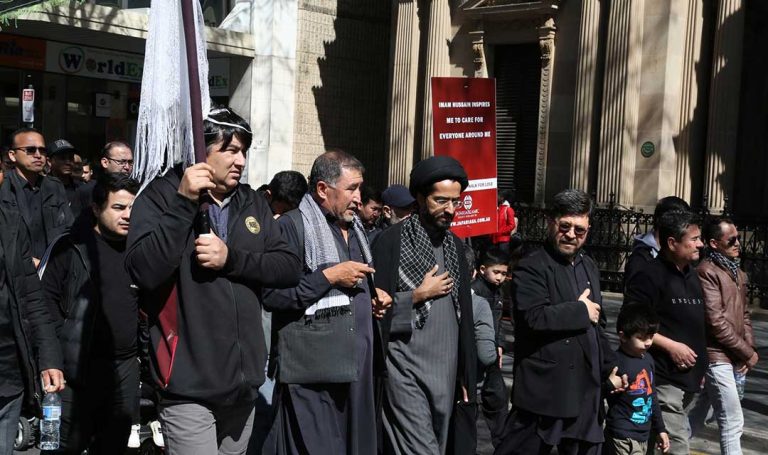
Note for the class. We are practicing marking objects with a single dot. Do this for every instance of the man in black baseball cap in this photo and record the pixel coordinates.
(398, 204)
(61, 155)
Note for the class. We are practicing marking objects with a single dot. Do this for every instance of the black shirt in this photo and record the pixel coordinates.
(10, 379)
(32, 210)
(632, 413)
(678, 299)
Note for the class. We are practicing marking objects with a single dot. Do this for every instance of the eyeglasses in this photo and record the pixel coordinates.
(578, 231)
(732, 241)
(32, 150)
(120, 162)
(444, 202)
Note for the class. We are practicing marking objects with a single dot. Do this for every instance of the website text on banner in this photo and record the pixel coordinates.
(464, 127)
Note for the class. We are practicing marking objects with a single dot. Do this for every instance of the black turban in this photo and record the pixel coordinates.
(436, 169)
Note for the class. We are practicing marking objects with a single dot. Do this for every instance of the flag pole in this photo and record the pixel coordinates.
(188, 22)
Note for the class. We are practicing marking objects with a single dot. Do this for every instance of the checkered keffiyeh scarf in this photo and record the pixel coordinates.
(732, 265)
(417, 257)
(320, 249)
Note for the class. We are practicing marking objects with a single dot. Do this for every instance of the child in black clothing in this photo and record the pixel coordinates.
(494, 266)
(633, 414)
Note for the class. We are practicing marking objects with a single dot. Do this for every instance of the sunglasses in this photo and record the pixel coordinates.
(579, 231)
(31, 150)
(732, 241)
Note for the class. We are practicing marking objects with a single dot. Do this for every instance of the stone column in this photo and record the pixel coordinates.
(437, 64)
(583, 105)
(723, 124)
(402, 102)
(688, 143)
(547, 46)
(618, 130)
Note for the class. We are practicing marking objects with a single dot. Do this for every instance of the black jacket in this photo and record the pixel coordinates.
(386, 256)
(678, 299)
(492, 294)
(57, 216)
(73, 307)
(35, 337)
(207, 342)
(552, 368)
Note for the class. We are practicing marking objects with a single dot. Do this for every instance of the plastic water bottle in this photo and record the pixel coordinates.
(741, 381)
(51, 422)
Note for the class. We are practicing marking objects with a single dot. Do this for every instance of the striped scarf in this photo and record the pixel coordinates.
(731, 265)
(417, 257)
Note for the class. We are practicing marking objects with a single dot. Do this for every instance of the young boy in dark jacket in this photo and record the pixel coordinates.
(494, 266)
(635, 413)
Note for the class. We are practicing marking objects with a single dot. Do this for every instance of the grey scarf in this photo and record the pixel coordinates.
(320, 250)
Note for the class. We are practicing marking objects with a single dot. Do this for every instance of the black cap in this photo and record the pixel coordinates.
(397, 196)
(60, 146)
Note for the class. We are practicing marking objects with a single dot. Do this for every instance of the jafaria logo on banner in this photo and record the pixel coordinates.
(468, 202)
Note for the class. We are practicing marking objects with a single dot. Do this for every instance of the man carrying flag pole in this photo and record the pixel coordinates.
(201, 246)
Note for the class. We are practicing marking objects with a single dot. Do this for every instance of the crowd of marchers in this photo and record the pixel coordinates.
(316, 315)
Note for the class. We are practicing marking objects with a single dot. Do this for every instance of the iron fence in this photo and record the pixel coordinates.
(612, 235)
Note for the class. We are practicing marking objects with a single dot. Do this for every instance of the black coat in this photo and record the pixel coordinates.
(35, 336)
(207, 342)
(57, 216)
(386, 257)
(552, 369)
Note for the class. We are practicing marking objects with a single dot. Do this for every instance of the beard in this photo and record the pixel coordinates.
(441, 223)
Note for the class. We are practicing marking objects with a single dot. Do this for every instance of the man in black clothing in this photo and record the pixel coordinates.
(116, 158)
(285, 191)
(671, 286)
(41, 200)
(646, 246)
(429, 336)
(61, 155)
(323, 329)
(28, 344)
(202, 295)
(562, 357)
(95, 308)
(370, 210)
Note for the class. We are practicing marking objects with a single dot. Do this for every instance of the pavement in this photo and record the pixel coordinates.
(755, 403)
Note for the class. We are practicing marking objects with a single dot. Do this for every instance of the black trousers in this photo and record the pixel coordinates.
(521, 437)
(494, 399)
(98, 416)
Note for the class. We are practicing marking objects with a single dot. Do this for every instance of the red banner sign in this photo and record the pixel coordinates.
(464, 127)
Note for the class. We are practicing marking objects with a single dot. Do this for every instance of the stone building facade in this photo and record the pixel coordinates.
(631, 100)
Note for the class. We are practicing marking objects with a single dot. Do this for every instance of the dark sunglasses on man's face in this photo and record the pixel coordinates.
(31, 149)
(579, 231)
(732, 241)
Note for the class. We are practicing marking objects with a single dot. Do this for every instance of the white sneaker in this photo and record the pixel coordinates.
(134, 441)
(157, 433)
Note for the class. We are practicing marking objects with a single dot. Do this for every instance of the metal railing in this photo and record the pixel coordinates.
(612, 235)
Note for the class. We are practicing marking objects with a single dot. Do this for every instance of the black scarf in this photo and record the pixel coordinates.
(417, 257)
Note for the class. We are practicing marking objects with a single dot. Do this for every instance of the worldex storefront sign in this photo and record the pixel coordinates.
(464, 127)
(92, 62)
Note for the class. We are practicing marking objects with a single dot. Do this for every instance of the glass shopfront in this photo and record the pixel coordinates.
(86, 95)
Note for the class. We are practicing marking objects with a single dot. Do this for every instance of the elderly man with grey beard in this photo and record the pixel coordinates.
(324, 331)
